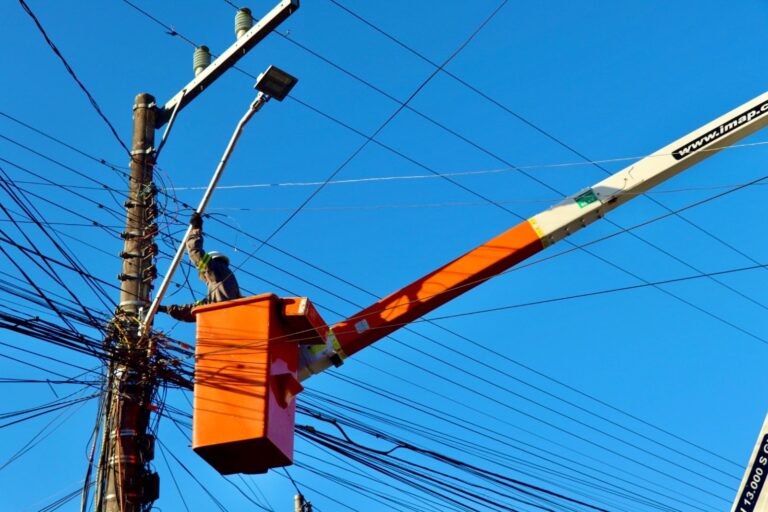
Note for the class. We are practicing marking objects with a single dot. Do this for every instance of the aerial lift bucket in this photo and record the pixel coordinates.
(246, 381)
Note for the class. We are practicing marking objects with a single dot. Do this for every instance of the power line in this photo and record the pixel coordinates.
(439, 175)
(102, 161)
(33, 214)
(537, 128)
(47, 430)
(421, 472)
(71, 72)
(615, 290)
(389, 119)
(561, 458)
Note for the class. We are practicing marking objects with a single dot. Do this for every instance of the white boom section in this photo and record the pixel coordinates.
(750, 497)
(588, 205)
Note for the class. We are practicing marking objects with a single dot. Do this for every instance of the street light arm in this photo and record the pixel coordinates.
(259, 102)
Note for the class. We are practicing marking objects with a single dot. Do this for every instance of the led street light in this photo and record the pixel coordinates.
(275, 83)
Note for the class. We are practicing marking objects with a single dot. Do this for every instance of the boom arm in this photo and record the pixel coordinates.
(529, 237)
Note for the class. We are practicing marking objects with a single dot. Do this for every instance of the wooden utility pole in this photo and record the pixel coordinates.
(125, 482)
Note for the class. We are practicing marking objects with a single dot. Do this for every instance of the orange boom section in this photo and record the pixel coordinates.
(435, 289)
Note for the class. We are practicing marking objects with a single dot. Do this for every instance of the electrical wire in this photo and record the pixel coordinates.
(43, 433)
(383, 125)
(557, 141)
(440, 175)
(556, 459)
(71, 73)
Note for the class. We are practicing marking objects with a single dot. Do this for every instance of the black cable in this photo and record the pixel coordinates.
(556, 455)
(33, 214)
(30, 251)
(39, 437)
(271, 246)
(71, 169)
(373, 432)
(7, 380)
(173, 477)
(261, 506)
(50, 358)
(393, 98)
(35, 412)
(520, 217)
(614, 290)
(101, 413)
(528, 175)
(554, 426)
(386, 122)
(381, 499)
(309, 332)
(557, 459)
(327, 496)
(424, 504)
(168, 29)
(192, 475)
(57, 504)
(427, 479)
(101, 161)
(71, 72)
(519, 116)
(40, 293)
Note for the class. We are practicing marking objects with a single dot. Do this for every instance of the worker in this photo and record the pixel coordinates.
(213, 268)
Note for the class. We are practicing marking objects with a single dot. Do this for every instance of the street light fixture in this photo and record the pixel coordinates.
(275, 83)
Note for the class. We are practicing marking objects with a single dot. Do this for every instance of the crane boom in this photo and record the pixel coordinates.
(529, 237)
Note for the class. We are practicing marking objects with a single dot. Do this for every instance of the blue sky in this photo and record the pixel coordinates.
(630, 387)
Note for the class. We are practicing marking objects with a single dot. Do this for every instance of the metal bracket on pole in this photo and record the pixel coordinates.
(255, 107)
(226, 60)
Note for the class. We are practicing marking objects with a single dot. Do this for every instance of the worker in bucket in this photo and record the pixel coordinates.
(213, 268)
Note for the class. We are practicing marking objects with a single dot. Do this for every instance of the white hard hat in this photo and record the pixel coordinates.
(216, 255)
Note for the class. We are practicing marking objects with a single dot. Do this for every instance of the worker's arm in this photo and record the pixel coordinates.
(195, 241)
(182, 312)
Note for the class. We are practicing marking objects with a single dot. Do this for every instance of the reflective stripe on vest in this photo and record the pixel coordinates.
(204, 261)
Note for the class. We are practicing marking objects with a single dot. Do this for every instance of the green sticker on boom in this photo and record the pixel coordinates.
(586, 198)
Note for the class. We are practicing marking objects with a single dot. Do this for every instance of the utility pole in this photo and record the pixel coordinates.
(126, 483)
